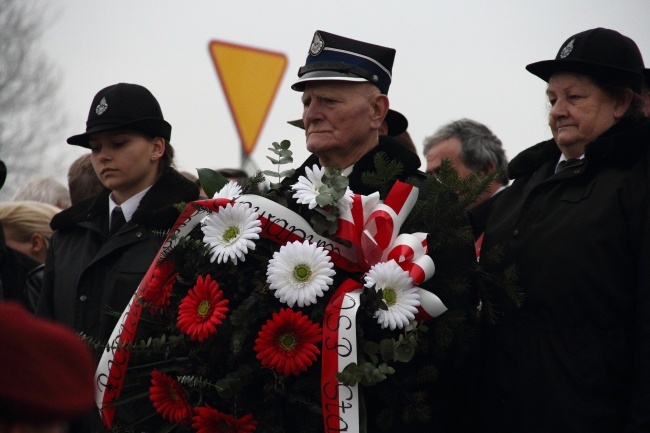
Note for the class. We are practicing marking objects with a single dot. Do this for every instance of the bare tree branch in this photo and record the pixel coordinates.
(29, 86)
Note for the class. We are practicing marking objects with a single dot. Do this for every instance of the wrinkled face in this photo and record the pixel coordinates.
(449, 149)
(341, 120)
(126, 162)
(580, 111)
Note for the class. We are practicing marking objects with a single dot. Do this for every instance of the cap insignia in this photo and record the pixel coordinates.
(567, 49)
(101, 107)
(317, 45)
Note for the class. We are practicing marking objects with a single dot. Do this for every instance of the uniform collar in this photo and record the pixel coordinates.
(128, 207)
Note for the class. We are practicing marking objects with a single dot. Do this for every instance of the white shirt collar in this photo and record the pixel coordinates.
(564, 158)
(128, 207)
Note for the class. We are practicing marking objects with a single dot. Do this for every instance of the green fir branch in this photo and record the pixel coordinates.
(386, 171)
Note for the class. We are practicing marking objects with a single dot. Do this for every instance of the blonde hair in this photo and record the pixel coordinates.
(24, 218)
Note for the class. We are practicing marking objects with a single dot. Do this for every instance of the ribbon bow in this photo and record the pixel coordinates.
(372, 228)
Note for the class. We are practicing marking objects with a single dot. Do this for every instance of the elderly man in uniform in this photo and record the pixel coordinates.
(344, 85)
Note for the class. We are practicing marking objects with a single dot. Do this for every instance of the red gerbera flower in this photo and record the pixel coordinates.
(287, 342)
(159, 289)
(209, 420)
(169, 398)
(202, 310)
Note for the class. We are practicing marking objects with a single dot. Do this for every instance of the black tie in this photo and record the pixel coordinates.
(567, 163)
(117, 220)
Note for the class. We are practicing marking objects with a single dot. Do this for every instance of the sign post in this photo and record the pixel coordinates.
(250, 78)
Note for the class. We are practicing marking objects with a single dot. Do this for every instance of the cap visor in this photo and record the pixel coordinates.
(324, 76)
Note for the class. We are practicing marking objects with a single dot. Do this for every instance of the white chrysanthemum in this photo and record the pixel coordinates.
(307, 188)
(399, 294)
(230, 232)
(229, 190)
(300, 273)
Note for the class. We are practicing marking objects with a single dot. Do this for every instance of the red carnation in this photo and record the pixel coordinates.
(287, 342)
(202, 310)
(158, 292)
(209, 420)
(169, 398)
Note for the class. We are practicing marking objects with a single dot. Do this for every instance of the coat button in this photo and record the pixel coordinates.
(83, 298)
(138, 235)
(515, 232)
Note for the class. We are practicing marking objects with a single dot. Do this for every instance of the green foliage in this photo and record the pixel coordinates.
(365, 374)
(254, 183)
(387, 171)
(283, 156)
(376, 358)
(211, 181)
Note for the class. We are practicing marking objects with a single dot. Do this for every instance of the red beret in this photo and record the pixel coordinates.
(46, 371)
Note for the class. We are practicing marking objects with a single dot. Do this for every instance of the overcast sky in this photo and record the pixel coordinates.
(454, 59)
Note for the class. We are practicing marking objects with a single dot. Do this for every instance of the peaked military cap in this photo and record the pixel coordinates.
(333, 57)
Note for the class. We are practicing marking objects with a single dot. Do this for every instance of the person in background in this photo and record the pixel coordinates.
(575, 224)
(46, 373)
(472, 148)
(235, 175)
(26, 226)
(102, 247)
(344, 86)
(82, 179)
(45, 190)
(15, 267)
(395, 125)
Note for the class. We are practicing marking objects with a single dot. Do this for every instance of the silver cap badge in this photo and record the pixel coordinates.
(567, 49)
(317, 45)
(101, 108)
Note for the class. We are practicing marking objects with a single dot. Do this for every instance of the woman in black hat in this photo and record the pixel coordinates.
(575, 355)
(103, 246)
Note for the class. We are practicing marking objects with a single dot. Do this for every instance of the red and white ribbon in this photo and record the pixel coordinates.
(340, 402)
(372, 227)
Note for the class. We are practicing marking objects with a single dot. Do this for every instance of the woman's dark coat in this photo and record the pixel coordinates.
(576, 356)
(89, 276)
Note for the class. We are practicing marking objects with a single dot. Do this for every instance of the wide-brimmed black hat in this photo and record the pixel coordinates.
(396, 122)
(602, 53)
(124, 106)
(332, 57)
